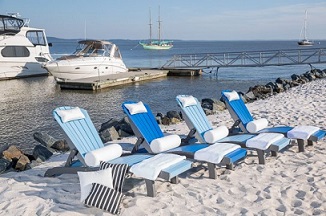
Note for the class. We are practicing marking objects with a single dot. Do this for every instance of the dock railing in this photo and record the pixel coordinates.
(248, 59)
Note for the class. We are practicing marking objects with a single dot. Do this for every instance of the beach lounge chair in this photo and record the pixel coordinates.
(87, 149)
(150, 138)
(202, 130)
(244, 120)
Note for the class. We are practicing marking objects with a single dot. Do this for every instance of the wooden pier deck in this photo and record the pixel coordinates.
(97, 83)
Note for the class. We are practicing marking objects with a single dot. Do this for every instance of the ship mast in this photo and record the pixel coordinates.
(159, 24)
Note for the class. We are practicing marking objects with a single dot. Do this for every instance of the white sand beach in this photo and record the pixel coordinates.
(290, 184)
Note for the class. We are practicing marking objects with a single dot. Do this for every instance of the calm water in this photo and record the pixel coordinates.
(26, 105)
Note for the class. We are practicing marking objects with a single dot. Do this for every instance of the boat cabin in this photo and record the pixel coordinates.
(96, 48)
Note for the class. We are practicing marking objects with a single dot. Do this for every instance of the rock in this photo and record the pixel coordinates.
(60, 145)
(12, 153)
(41, 153)
(173, 114)
(111, 123)
(22, 162)
(158, 119)
(4, 165)
(45, 139)
(125, 126)
(109, 134)
(175, 120)
(249, 96)
(295, 77)
(219, 106)
(166, 120)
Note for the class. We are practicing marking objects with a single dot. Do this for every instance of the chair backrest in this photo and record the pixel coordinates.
(144, 125)
(238, 110)
(195, 118)
(81, 134)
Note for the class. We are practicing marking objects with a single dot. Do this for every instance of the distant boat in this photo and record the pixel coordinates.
(156, 44)
(305, 41)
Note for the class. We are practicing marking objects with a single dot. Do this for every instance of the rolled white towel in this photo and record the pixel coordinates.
(263, 140)
(212, 136)
(165, 143)
(302, 132)
(257, 125)
(106, 153)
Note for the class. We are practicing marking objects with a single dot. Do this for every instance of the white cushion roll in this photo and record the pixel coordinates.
(136, 108)
(70, 115)
(187, 100)
(165, 143)
(212, 136)
(233, 95)
(106, 153)
(257, 125)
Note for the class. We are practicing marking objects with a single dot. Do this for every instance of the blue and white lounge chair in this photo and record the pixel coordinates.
(243, 118)
(87, 149)
(151, 139)
(201, 128)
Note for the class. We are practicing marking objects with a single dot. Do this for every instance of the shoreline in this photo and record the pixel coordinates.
(291, 183)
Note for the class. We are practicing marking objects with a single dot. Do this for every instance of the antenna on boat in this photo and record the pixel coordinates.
(85, 29)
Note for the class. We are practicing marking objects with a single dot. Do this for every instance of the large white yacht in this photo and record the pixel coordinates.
(92, 58)
(23, 50)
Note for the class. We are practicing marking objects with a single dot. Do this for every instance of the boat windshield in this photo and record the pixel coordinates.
(93, 49)
(10, 25)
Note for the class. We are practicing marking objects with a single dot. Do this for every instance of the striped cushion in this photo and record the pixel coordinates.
(104, 198)
(118, 174)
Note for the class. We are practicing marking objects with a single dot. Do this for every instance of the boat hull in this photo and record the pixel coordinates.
(156, 47)
(81, 68)
(305, 43)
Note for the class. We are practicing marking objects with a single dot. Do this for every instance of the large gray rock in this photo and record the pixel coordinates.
(45, 139)
(173, 114)
(4, 165)
(41, 153)
(60, 145)
(109, 134)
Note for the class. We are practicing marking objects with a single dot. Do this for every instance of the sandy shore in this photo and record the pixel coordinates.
(291, 184)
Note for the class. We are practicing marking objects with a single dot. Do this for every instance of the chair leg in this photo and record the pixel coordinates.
(150, 186)
(301, 145)
(175, 180)
(261, 156)
(230, 166)
(310, 143)
(211, 170)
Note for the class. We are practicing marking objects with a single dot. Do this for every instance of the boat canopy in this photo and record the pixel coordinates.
(10, 24)
(94, 48)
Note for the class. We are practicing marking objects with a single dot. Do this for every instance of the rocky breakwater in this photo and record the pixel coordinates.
(13, 158)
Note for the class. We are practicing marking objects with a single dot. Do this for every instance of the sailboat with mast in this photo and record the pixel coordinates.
(305, 41)
(158, 44)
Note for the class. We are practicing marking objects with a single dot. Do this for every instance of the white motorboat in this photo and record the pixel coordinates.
(92, 58)
(23, 50)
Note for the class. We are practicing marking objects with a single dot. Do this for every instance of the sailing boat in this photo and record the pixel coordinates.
(305, 41)
(156, 44)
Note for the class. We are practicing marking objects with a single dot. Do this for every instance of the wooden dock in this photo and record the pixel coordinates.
(97, 83)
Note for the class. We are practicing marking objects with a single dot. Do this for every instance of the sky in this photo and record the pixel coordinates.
(181, 19)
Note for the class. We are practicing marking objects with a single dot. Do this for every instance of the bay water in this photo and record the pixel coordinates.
(26, 105)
